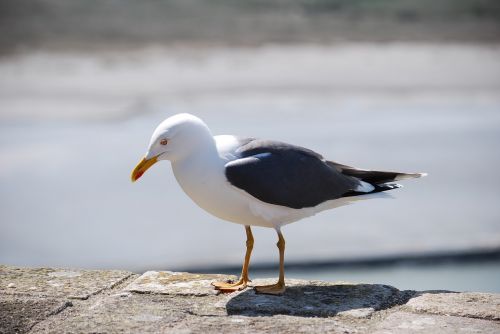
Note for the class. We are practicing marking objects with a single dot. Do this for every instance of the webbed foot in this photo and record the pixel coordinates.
(228, 287)
(273, 289)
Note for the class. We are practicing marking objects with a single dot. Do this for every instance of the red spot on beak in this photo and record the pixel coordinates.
(142, 167)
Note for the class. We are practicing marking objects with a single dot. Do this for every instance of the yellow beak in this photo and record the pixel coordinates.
(142, 167)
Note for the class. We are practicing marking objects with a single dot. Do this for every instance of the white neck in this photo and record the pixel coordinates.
(200, 175)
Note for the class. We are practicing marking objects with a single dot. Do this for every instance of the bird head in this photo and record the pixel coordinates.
(174, 139)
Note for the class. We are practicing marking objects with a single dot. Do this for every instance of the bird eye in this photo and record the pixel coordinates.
(163, 142)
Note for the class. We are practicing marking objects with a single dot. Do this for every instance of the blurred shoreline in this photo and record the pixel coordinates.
(486, 255)
(97, 26)
(114, 85)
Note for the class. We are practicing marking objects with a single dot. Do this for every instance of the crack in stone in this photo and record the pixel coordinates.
(58, 310)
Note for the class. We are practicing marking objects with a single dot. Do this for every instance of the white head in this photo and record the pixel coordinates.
(174, 139)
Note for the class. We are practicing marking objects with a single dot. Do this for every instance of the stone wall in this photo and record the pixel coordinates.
(108, 301)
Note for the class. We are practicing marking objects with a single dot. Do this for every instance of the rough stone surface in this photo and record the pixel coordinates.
(167, 302)
(19, 313)
(466, 304)
(78, 284)
(404, 322)
(176, 283)
(121, 312)
(159, 313)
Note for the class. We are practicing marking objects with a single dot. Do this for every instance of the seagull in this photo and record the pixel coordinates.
(257, 182)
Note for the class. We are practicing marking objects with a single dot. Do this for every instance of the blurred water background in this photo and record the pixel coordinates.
(397, 85)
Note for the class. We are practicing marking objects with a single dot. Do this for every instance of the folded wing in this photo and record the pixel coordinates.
(288, 175)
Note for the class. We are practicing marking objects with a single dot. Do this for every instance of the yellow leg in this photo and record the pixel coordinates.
(279, 287)
(243, 281)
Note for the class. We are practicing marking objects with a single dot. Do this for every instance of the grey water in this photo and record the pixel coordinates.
(74, 125)
(479, 277)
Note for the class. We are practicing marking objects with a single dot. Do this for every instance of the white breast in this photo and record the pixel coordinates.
(203, 179)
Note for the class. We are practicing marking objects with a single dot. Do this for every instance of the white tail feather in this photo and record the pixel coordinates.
(409, 176)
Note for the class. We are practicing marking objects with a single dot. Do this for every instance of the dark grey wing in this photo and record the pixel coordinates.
(287, 175)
